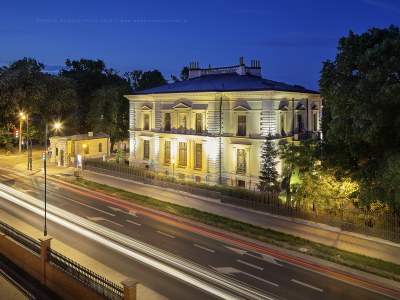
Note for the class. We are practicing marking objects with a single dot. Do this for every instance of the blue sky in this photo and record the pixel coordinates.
(291, 38)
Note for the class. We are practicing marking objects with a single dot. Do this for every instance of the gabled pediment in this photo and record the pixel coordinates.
(241, 108)
(146, 107)
(314, 106)
(300, 106)
(283, 105)
(181, 105)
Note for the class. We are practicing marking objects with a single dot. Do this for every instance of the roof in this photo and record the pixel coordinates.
(81, 137)
(225, 83)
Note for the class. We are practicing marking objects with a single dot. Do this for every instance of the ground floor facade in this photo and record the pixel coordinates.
(232, 161)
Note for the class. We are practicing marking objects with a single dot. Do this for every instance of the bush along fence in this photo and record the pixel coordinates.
(63, 276)
(381, 225)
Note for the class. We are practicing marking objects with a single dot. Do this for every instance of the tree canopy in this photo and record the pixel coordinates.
(361, 91)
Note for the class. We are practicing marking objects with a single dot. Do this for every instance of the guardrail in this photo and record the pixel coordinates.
(26, 241)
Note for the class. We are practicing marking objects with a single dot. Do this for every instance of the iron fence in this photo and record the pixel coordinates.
(152, 178)
(25, 241)
(87, 277)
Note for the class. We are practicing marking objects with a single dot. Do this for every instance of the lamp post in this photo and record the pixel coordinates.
(21, 119)
(56, 126)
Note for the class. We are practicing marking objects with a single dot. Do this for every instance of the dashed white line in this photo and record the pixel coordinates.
(137, 224)
(250, 265)
(308, 285)
(166, 234)
(204, 248)
(83, 204)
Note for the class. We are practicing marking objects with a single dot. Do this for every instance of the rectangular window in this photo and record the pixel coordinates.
(241, 183)
(241, 161)
(146, 122)
(315, 121)
(167, 122)
(198, 156)
(299, 123)
(282, 124)
(199, 123)
(86, 148)
(146, 149)
(182, 154)
(100, 147)
(241, 126)
(167, 149)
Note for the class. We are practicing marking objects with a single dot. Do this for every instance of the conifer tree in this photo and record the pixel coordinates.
(268, 174)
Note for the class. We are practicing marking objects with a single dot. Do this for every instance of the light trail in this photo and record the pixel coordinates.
(100, 234)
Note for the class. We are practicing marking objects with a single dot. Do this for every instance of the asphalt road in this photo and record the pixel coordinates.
(254, 268)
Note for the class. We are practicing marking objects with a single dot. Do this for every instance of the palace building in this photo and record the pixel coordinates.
(211, 127)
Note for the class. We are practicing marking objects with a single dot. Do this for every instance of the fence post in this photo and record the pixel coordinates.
(130, 288)
(44, 246)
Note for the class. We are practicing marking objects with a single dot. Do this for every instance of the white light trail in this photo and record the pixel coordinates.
(100, 234)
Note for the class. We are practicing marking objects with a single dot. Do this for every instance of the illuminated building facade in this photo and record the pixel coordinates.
(211, 127)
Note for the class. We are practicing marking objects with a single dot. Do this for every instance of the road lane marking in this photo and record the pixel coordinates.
(129, 212)
(166, 234)
(83, 204)
(264, 257)
(96, 219)
(232, 271)
(204, 248)
(308, 285)
(249, 264)
(137, 224)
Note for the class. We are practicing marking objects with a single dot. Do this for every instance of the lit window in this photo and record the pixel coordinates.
(199, 123)
(241, 126)
(167, 122)
(146, 150)
(198, 156)
(167, 149)
(241, 161)
(146, 122)
(182, 154)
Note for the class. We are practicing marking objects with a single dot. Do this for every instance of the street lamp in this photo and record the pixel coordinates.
(21, 119)
(56, 126)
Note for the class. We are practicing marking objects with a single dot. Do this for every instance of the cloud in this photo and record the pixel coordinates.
(392, 5)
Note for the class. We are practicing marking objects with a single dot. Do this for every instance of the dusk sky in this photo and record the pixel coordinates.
(291, 38)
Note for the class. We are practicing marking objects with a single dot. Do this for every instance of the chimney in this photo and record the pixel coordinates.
(194, 70)
(90, 133)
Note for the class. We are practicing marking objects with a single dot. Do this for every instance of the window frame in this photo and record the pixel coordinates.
(146, 149)
(241, 126)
